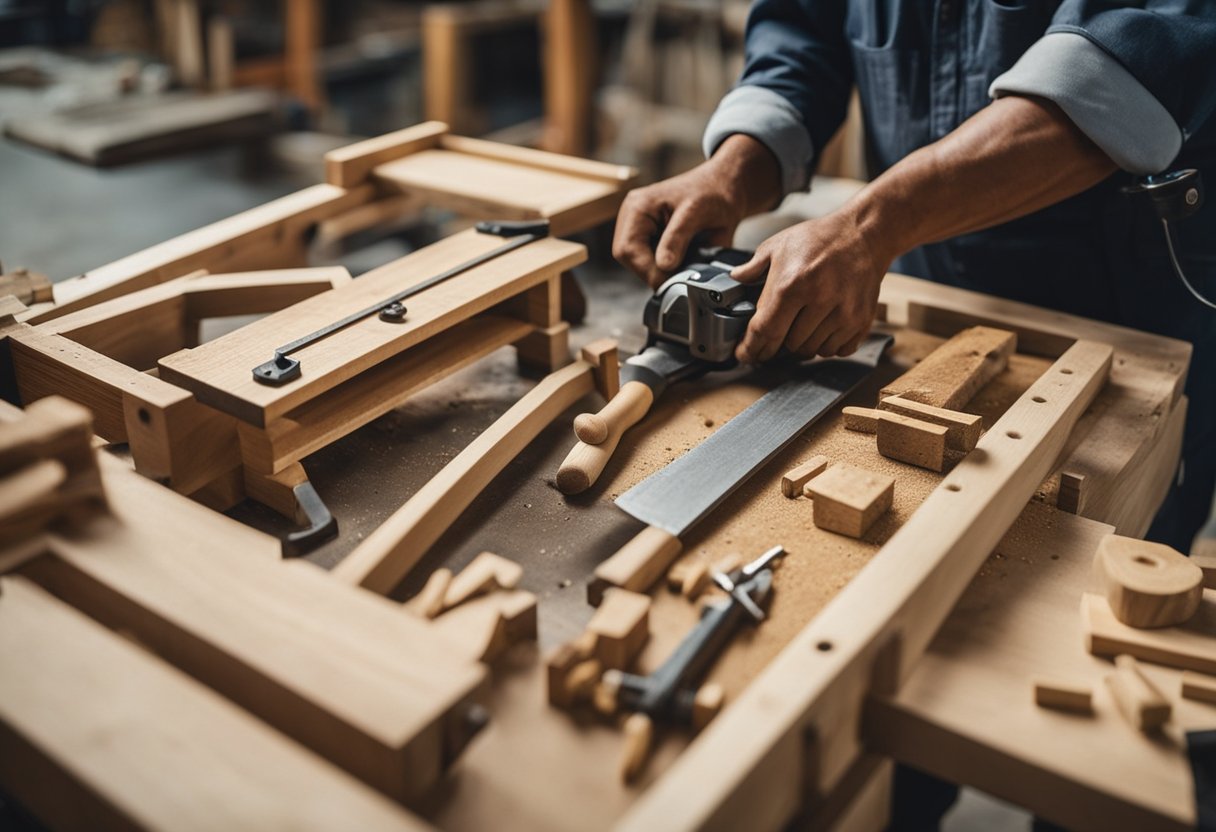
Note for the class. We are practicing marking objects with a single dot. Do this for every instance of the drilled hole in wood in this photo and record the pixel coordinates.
(953, 487)
(1013, 434)
(824, 647)
(145, 416)
(1066, 371)
(1143, 559)
(1038, 400)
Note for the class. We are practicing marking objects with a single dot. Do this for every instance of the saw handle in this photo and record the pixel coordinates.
(599, 434)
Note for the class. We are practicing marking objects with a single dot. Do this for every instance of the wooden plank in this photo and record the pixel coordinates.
(913, 441)
(342, 672)
(956, 370)
(869, 636)
(148, 747)
(284, 218)
(373, 393)
(257, 292)
(352, 165)
(1189, 646)
(388, 554)
(219, 372)
(478, 186)
(963, 429)
(622, 176)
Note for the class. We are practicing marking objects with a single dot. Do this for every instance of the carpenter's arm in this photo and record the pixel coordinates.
(1014, 157)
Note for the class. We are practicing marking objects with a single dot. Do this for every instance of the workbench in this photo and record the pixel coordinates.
(808, 732)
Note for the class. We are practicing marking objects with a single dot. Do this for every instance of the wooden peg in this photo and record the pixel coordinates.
(1147, 584)
(621, 626)
(962, 429)
(913, 441)
(849, 499)
(861, 419)
(639, 735)
(1139, 700)
(1064, 696)
(794, 479)
(431, 598)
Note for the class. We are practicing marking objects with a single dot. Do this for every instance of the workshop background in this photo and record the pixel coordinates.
(128, 122)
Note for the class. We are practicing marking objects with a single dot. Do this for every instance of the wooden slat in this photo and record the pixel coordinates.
(373, 393)
(795, 730)
(95, 733)
(258, 227)
(343, 672)
(349, 166)
(381, 561)
(219, 373)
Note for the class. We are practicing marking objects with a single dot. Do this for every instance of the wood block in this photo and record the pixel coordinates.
(621, 625)
(27, 286)
(582, 679)
(487, 627)
(430, 599)
(1064, 696)
(793, 480)
(149, 747)
(1071, 494)
(954, 372)
(1140, 701)
(963, 429)
(546, 349)
(861, 419)
(849, 499)
(352, 165)
(639, 735)
(487, 571)
(1189, 647)
(604, 356)
(695, 580)
(1147, 584)
(559, 664)
(637, 564)
(1199, 687)
(706, 704)
(913, 441)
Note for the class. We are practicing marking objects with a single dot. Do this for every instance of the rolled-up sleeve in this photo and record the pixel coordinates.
(794, 90)
(1136, 81)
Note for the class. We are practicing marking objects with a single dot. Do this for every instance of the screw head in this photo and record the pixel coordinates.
(394, 313)
(1192, 196)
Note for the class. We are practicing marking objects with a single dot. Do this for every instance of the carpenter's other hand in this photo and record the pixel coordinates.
(657, 223)
(821, 292)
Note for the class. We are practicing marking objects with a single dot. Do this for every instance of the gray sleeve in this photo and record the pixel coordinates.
(769, 119)
(1101, 97)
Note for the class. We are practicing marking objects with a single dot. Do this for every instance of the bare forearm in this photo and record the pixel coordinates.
(750, 171)
(1014, 157)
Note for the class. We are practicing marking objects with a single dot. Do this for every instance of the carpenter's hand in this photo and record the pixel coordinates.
(656, 224)
(821, 292)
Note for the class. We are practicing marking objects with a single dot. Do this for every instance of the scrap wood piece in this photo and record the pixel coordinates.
(963, 429)
(793, 480)
(487, 571)
(27, 286)
(954, 372)
(187, 756)
(352, 165)
(860, 419)
(848, 499)
(913, 441)
(1064, 696)
(1147, 584)
(621, 626)
(1189, 647)
(561, 662)
(637, 564)
(1140, 701)
(490, 625)
(429, 601)
(706, 704)
(639, 738)
(1198, 687)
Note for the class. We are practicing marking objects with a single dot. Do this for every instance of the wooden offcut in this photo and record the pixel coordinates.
(621, 626)
(792, 481)
(1140, 701)
(637, 565)
(913, 441)
(1063, 696)
(1189, 647)
(956, 370)
(962, 429)
(860, 419)
(849, 499)
(1199, 687)
(1148, 584)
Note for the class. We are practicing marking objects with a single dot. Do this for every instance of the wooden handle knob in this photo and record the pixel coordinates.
(586, 461)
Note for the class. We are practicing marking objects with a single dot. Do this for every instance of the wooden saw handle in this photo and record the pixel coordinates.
(599, 434)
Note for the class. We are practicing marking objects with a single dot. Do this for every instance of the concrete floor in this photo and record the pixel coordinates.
(62, 219)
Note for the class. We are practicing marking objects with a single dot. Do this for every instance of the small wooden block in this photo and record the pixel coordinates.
(1198, 687)
(849, 499)
(962, 429)
(1070, 496)
(486, 572)
(1147, 584)
(706, 704)
(794, 479)
(621, 626)
(913, 441)
(605, 358)
(675, 576)
(696, 579)
(1203, 555)
(639, 734)
(431, 598)
(1064, 696)
(582, 679)
(563, 660)
(1182, 647)
(954, 372)
(861, 419)
(1139, 700)
(546, 348)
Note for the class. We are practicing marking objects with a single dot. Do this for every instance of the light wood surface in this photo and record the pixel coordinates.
(352, 165)
(957, 370)
(848, 499)
(911, 440)
(381, 561)
(219, 372)
(963, 429)
(1189, 646)
(97, 733)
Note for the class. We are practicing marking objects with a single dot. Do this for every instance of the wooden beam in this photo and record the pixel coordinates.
(954, 372)
(148, 747)
(388, 554)
(869, 636)
(349, 166)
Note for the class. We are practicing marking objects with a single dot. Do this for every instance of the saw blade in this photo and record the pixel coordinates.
(678, 496)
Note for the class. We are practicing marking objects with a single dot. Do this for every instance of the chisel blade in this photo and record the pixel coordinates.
(678, 496)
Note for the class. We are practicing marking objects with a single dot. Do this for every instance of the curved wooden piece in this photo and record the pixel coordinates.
(388, 554)
(599, 434)
(1148, 584)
